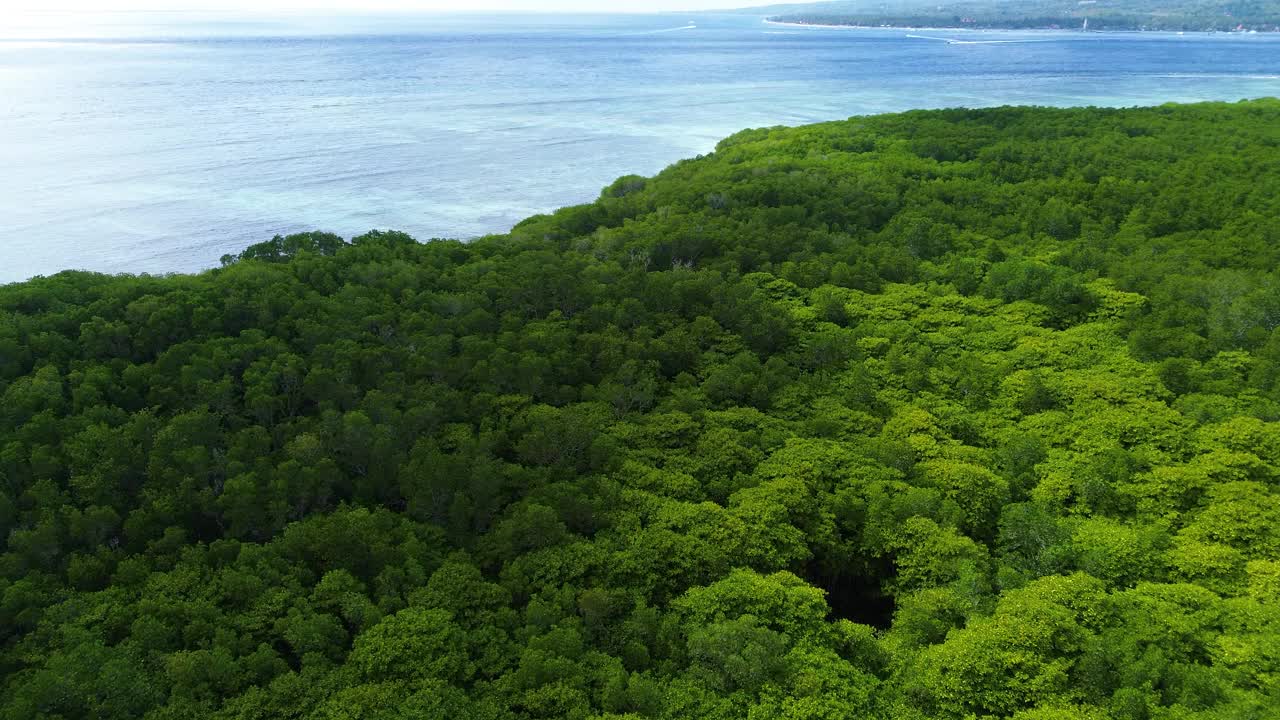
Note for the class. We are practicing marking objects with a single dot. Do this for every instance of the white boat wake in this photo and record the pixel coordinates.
(954, 41)
(690, 26)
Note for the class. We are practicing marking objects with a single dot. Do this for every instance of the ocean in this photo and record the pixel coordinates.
(159, 148)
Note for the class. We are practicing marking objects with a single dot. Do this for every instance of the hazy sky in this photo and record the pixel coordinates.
(29, 19)
(8, 7)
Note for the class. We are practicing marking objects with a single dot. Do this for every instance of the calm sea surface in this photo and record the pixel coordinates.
(162, 153)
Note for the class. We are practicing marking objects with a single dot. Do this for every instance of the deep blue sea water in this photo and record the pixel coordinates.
(159, 150)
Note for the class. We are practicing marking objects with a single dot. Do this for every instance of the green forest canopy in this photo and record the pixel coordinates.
(1167, 15)
(950, 414)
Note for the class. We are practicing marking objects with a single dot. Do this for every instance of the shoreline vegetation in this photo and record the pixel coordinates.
(939, 414)
(971, 28)
(1092, 15)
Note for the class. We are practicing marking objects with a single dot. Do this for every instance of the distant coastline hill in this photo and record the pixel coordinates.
(1166, 15)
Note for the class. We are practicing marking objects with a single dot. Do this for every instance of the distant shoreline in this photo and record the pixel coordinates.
(767, 21)
(937, 27)
(953, 28)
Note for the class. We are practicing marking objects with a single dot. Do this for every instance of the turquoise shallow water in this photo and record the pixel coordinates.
(161, 152)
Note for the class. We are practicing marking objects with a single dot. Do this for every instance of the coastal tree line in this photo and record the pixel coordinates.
(1118, 15)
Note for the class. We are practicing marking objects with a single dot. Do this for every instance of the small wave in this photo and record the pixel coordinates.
(998, 42)
(955, 41)
(666, 30)
(1220, 76)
